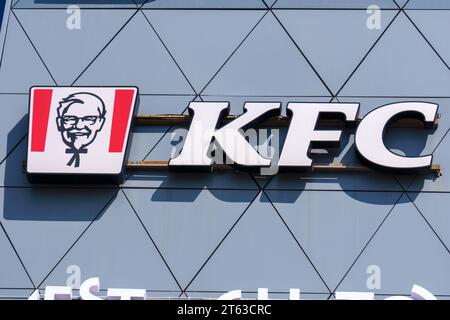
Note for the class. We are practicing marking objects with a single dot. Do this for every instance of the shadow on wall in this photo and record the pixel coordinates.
(23, 201)
(361, 186)
(357, 185)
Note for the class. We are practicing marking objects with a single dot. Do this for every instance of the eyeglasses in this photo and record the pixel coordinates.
(73, 120)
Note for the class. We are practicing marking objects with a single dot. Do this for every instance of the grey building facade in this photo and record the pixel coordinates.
(203, 234)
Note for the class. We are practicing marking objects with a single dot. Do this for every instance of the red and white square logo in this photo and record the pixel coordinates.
(79, 130)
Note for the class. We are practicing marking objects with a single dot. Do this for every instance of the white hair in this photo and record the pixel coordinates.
(83, 98)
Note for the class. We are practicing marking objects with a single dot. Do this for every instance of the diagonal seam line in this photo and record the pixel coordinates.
(298, 243)
(332, 8)
(273, 4)
(104, 48)
(428, 223)
(405, 4)
(34, 47)
(142, 5)
(221, 241)
(432, 152)
(368, 52)
(137, 4)
(168, 51)
(268, 179)
(81, 235)
(301, 52)
(369, 241)
(17, 254)
(157, 142)
(267, 182)
(151, 239)
(13, 5)
(425, 38)
(443, 137)
(397, 4)
(263, 1)
(398, 181)
(12, 149)
(5, 37)
(234, 51)
(167, 131)
(254, 181)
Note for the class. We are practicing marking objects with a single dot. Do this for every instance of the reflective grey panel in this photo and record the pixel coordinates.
(20, 56)
(258, 253)
(334, 56)
(342, 4)
(17, 294)
(401, 3)
(402, 64)
(202, 41)
(428, 4)
(67, 52)
(313, 217)
(407, 252)
(198, 4)
(258, 67)
(62, 4)
(270, 3)
(431, 23)
(434, 207)
(13, 122)
(117, 249)
(187, 225)
(12, 273)
(44, 223)
(12, 173)
(145, 64)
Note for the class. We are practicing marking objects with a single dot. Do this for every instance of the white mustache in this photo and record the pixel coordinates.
(79, 132)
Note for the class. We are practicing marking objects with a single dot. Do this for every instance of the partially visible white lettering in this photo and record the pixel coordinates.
(90, 288)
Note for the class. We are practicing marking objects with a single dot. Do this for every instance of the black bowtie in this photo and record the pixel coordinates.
(76, 156)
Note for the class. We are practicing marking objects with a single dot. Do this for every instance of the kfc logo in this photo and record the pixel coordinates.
(80, 117)
(79, 131)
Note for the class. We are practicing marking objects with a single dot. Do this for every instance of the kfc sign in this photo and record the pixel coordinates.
(302, 136)
(82, 133)
(79, 132)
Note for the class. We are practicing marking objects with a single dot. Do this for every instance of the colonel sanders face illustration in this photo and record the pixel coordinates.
(80, 117)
